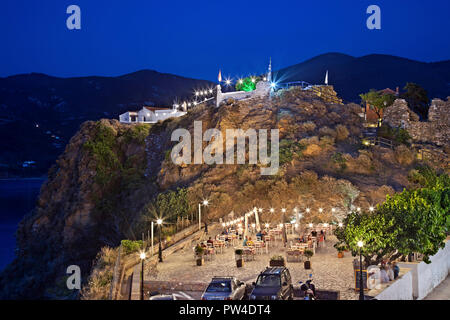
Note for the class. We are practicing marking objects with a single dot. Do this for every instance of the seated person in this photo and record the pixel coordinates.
(210, 240)
(384, 277)
(245, 241)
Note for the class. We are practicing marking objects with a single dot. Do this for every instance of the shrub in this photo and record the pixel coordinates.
(309, 126)
(199, 250)
(277, 258)
(130, 246)
(403, 155)
(339, 159)
(399, 135)
(341, 133)
(308, 254)
(325, 131)
(326, 141)
(310, 140)
(312, 150)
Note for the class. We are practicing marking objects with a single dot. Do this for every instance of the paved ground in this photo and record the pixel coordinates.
(329, 272)
(441, 292)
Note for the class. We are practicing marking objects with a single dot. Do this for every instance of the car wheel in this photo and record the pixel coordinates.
(291, 294)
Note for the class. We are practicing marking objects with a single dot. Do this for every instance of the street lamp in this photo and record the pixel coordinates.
(159, 223)
(142, 256)
(272, 210)
(204, 203)
(361, 288)
(340, 224)
(320, 210)
(308, 210)
(371, 209)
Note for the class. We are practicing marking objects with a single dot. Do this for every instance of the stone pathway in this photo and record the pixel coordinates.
(441, 292)
(329, 272)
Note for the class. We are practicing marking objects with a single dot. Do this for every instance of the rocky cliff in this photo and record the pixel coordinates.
(101, 188)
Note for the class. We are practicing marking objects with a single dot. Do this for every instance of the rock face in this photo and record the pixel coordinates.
(436, 130)
(73, 219)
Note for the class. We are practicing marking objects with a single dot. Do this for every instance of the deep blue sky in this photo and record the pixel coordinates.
(196, 38)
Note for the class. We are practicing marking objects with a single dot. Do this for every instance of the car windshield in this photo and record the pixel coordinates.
(268, 280)
(219, 286)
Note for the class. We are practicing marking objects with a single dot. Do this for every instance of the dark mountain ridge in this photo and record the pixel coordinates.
(353, 75)
(40, 113)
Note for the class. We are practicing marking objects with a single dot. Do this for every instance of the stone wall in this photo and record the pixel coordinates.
(262, 89)
(436, 130)
(417, 279)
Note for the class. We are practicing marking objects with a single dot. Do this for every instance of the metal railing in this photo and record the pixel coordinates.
(378, 141)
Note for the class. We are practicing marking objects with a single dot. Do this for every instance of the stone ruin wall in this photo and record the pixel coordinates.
(262, 89)
(436, 130)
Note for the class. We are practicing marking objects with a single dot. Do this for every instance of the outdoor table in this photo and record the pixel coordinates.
(259, 245)
(249, 252)
(220, 245)
(294, 253)
(233, 238)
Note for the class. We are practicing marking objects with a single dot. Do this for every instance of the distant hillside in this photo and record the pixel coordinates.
(351, 76)
(59, 105)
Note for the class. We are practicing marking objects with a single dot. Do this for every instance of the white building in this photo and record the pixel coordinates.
(150, 115)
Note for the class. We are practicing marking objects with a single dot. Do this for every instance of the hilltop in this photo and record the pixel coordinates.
(103, 187)
(59, 105)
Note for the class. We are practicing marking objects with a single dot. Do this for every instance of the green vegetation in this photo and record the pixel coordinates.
(398, 135)
(339, 159)
(414, 221)
(289, 149)
(377, 101)
(115, 172)
(130, 246)
(168, 206)
(247, 84)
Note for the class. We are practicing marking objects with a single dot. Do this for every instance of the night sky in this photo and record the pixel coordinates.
(196, 38)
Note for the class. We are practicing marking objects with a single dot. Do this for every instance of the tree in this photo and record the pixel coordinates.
(417, 99)
(414, 221)
(377, 101)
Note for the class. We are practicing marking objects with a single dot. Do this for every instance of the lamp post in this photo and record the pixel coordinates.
(159, 223)
(142, 256)
(361, 287)
(204, 203)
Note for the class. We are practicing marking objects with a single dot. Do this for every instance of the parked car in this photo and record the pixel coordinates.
(274, 283)
(163, 297)
(224, 288)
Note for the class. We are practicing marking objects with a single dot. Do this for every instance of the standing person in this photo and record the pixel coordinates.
(206, 228)
(321, 238)
(396, 269)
